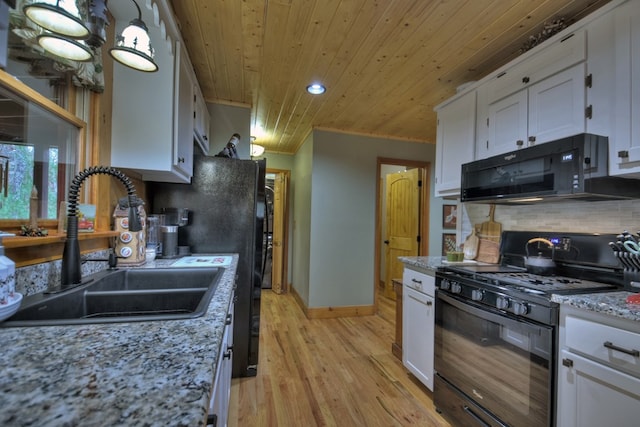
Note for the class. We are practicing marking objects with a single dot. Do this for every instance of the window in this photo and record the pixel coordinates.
(38, 147)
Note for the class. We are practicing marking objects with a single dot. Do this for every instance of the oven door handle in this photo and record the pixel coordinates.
(486, 314)
(475, 416)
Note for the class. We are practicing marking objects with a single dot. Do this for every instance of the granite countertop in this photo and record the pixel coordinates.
(425, 262)
(609, 303)
(119, 374)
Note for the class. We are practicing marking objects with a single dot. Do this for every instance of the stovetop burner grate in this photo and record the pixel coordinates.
(546, 284)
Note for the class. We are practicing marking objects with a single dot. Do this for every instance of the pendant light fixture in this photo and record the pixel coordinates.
(58, 16)
(65, 32)
(133, 46)
(256, 150)
(64, 47)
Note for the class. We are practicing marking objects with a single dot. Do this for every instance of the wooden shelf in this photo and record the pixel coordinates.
(23, 241)
(35, 250)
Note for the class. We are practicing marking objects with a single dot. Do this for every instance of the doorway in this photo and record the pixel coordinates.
(402, 229)
(276, 231)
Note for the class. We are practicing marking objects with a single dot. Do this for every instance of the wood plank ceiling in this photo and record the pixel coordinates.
(385, 63)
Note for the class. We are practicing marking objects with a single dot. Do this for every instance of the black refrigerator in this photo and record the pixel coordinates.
(226, 199)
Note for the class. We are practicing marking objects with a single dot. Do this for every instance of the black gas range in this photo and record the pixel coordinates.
(514, 290)
(585, 264)
(496, 328)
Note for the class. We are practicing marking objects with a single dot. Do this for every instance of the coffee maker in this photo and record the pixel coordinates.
(170, 220)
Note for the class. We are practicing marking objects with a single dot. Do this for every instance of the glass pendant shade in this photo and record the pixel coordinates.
(58, 16)
(75, 50)
(133, 47)
(256, 150)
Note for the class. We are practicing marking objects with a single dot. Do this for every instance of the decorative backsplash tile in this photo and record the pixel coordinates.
(570, 216)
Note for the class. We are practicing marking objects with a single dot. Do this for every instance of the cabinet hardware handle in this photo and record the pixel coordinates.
(588, 112)
(386, 242)
(228, 321)
(612, 346)
(519, 143)
(180, 159)
(429, 303)
(567, 362)
(532, 138)
(525, 80)
(501, 74)
(226, 355)
(623, 154)
(416, 281)
(567, 38)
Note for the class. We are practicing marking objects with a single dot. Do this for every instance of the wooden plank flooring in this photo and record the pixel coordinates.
(328, 372)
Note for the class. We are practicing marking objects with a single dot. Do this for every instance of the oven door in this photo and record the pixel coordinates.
(491, 368)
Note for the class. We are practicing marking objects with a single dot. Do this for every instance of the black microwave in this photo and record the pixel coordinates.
(573, 167)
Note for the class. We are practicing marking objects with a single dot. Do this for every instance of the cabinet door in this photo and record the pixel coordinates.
(455, 142)
(600, 93)
(144, 119)
(594, 395)
(540, 63)
(507, 124)
(557, 106)
(220, 397)
(202, 120)
(418, 334)
(184, 123)
(625, 146)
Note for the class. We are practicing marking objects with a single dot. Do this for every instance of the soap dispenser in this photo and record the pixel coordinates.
(8, 273)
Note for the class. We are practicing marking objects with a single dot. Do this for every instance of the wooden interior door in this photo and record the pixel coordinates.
(402, 209)
(278, 251)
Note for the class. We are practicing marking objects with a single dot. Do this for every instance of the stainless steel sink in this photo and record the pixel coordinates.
(124, 296)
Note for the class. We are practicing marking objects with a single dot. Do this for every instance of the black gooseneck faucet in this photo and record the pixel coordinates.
(71, 272)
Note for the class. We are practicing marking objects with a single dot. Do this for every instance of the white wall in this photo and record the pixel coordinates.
(300, 208)
(342, 215)
(225, 121)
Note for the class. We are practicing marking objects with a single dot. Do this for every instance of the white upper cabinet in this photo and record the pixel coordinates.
(584, 79)
(537, 100)
(454, 142)
(183, 112)
(154, 114)
(202, 120)
(506, 125)
(624, 156)
(553, 58)
(557, 106)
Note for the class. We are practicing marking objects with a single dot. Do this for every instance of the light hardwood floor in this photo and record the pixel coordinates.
(328, 372)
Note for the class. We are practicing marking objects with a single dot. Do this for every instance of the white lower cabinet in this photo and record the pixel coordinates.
(598, 370)
(418, 324)
(219, 405)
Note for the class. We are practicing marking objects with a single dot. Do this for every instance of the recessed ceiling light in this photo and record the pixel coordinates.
(316, 89)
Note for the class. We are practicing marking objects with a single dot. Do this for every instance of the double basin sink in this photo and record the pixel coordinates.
(123, 296)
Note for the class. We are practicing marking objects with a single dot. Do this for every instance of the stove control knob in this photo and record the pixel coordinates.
(502, 303)
(520, 308)
(456, 288)
(445, 284)
(477, 294)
